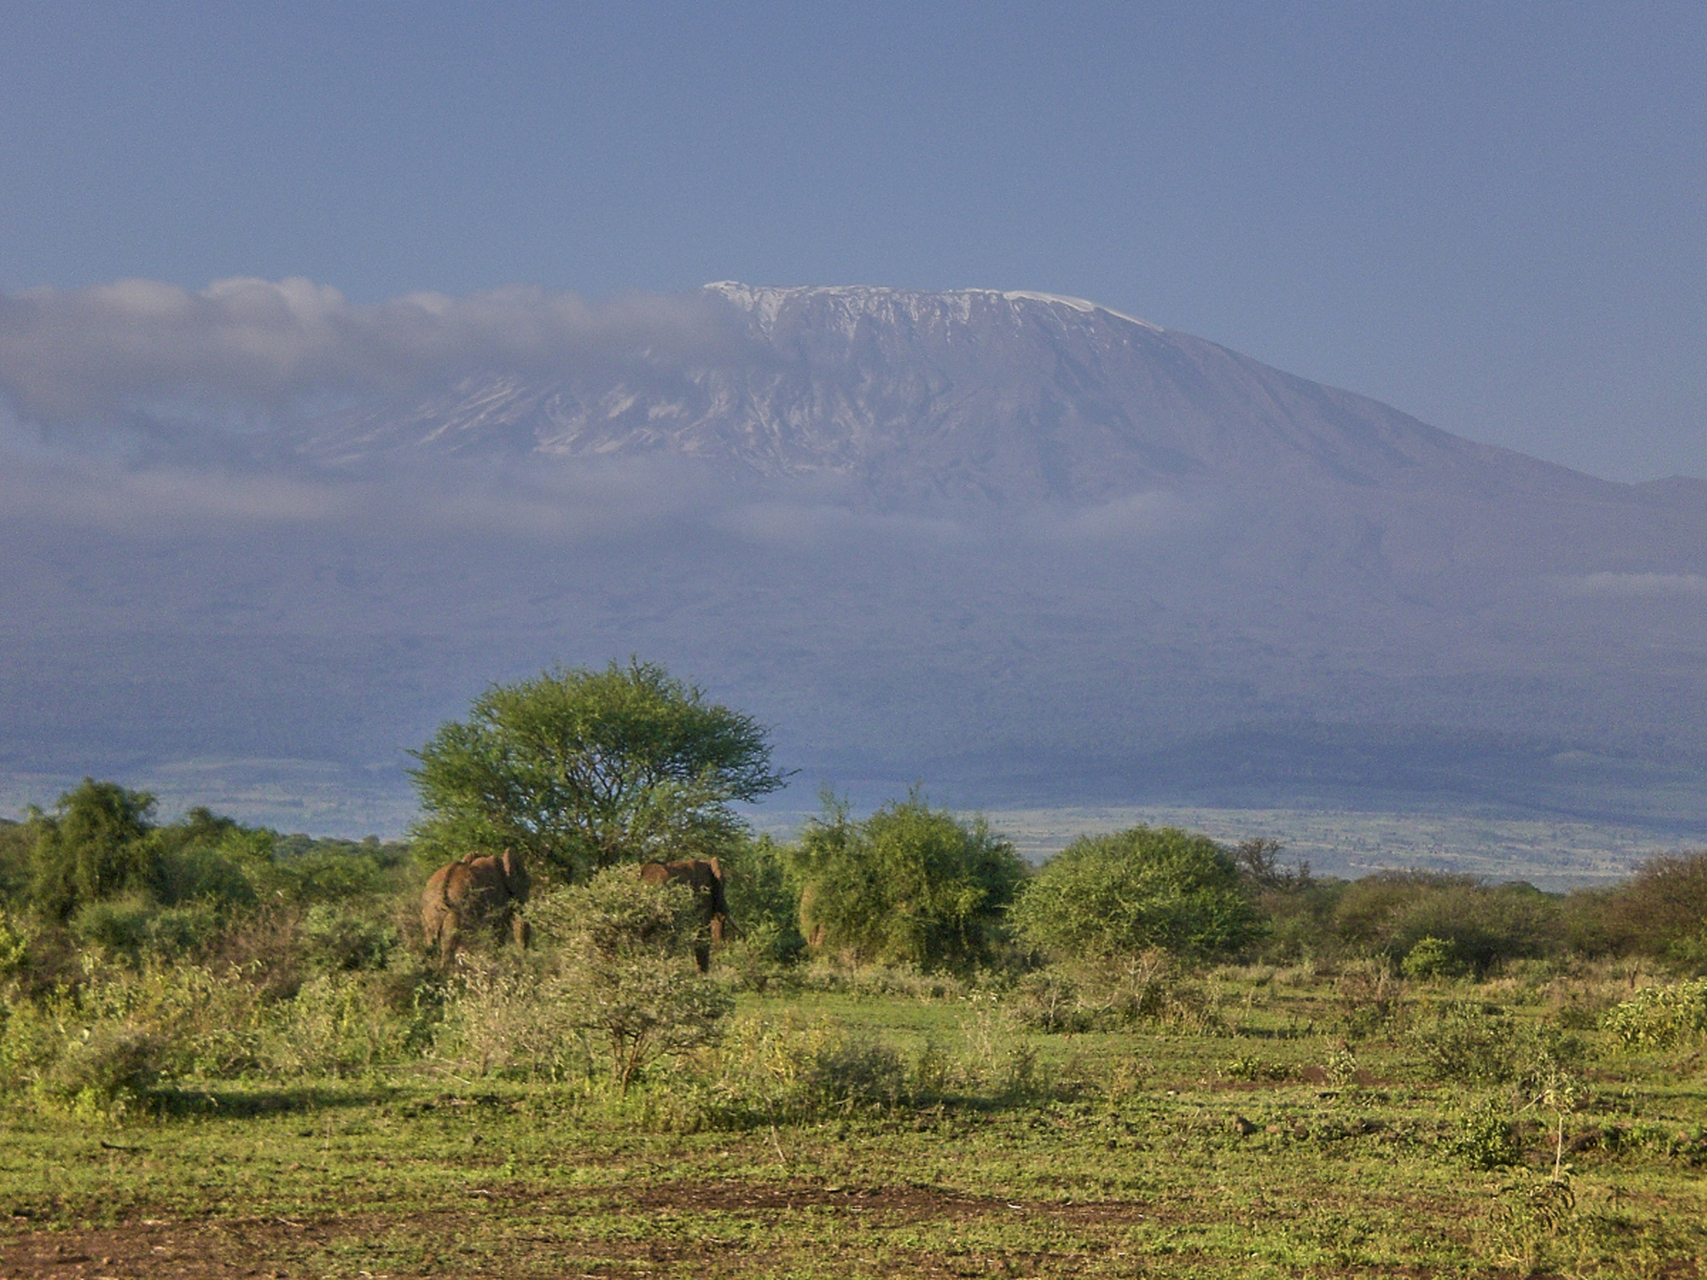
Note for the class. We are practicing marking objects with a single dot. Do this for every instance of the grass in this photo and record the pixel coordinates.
(1265, 1144)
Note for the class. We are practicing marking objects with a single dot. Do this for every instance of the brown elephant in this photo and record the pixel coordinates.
(478, 890)
(705, 878)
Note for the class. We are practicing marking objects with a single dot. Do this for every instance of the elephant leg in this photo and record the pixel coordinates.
(447, 938)
(520, 931)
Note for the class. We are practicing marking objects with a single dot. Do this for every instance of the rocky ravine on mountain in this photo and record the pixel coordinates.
(1021, 547)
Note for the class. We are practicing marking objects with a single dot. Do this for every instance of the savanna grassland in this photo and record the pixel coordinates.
(229, 1051)
(1256, 1121)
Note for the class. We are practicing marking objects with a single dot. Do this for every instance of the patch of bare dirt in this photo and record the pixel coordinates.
(146, 1248)
(532, 1242)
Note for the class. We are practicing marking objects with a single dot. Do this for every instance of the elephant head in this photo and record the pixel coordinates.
(477, 891)
(705, 878)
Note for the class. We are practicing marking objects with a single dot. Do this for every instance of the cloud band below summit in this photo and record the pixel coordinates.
(89, 355)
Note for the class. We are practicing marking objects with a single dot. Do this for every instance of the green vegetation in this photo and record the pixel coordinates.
(582, 770)
(1136, 891)
(223, 1047)
(909, 885)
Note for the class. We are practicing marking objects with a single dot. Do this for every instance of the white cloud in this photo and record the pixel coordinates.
(814, 525)
(103, 493)
(569, 501)
(1136, 517)
(88, 355)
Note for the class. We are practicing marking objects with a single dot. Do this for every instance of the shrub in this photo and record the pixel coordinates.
(1661, 912)
(338, 938)
(766, 903)
(909, 885)
(14, 946)
(31, 1038)
(299, 869)
(339, 1023)
(1049, 1000)
(1368, 995)
(104, 1072)
(500, 1017)
(1660, 1017)
(1137, 890)
(1392, 912)
(1298, 923)
(626, 977)
(115, 925)
(93, 845)
(852, 1072)
(789, 1071)
(1433, 957)
(1486, 1138)
(1470, 1044)
(17, 842)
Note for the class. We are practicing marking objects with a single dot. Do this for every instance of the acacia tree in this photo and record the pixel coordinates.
(584, 769)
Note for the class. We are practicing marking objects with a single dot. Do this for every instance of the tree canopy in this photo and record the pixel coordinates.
(1134, 890)
(909, 884)
(584, 769)
(95, 843)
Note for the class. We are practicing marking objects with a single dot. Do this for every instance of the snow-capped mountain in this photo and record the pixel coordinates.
(1013, 395)
(1020, 546)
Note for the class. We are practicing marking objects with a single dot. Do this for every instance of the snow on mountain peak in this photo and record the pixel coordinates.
(766, 302)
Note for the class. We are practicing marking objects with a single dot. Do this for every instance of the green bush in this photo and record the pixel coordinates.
(787, 1070)
(501, 1018)
(909, 885)
(298, 869)
(1369, 997)
(115, 925)
(14, 946)
(93, 845)
(1434, 957)
(1298, 922)
(104, 1072)
(134, 928)
(31, 1038)
(624, 974)
(1392, 912)
(340, 1023)
(1660, 1017)
(1660, 912)
(854, 1072)
(1137, 890)
(1486, 1138)
(17, 843)
(358, 936)
(1470, 1044)
(1053, 1001)
(765, 903)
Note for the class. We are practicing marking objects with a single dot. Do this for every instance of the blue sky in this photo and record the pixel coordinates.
(1491, 216)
